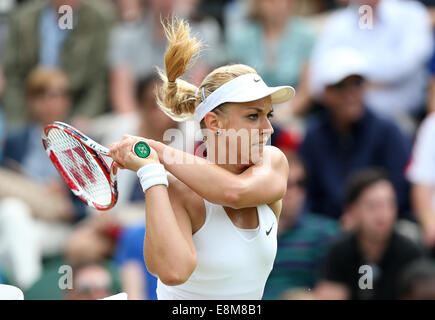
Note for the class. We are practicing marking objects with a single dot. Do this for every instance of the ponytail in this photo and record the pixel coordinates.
(178, 98)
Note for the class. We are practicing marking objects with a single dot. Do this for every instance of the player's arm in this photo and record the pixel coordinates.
(264, 182)
(169, 251)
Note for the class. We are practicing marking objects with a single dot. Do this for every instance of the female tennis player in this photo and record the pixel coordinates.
(211, 226)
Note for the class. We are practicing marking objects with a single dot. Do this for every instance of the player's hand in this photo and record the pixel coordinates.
(125, 158)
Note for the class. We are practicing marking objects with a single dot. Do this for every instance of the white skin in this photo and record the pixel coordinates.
(175, 213)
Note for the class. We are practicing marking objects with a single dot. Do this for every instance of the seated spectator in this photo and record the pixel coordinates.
(367, 262)
(79, 52)
(347, 136)
(6, 8)
(37, 209)
(397, 72)
(421, 173)
(136, 281)
(142, 35)
(303, 240)
(91, 281)
(417, 281)
(278, 44)
(2, 119)
(93, 239)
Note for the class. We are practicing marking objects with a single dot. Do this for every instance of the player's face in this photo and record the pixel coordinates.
(249, 125)
(376, 209)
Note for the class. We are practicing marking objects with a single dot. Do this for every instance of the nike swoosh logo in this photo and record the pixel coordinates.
(256, 79)
(267, 232)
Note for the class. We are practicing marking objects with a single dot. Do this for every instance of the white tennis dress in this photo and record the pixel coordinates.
(233, 263)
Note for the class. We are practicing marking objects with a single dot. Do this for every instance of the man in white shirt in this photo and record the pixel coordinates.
(421, 172)
(396, 39)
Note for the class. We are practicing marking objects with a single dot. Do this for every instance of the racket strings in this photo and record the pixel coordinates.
(81, 166)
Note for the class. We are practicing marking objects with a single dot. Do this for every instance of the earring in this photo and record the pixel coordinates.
(218, 132)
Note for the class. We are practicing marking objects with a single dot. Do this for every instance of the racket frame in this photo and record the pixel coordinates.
(96, 150)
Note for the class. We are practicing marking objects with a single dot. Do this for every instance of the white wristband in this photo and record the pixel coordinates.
(151, 175)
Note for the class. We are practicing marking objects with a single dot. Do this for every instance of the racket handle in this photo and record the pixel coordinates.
(141, 149)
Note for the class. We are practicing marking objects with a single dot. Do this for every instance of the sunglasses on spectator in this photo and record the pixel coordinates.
(349, 83)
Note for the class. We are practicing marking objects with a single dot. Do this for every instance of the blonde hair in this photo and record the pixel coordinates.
(179, 98)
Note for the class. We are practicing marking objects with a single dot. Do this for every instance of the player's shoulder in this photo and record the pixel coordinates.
(275, 151)
(275, 155)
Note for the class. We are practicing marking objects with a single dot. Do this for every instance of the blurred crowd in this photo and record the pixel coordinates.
(358, 218)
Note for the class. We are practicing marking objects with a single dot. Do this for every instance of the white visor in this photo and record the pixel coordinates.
(245, 88)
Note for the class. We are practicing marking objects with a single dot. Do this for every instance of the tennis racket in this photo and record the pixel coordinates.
(79, 161)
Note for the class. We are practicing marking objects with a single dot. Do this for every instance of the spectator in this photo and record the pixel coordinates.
(129, 10)
(79, 52)
(2, 120)
(278, 44)
(310, 7)
(303, 239)
(396, 82)
(91, 281)
(417, 282)
(143, 36)
(37, 210)
(421, 173)
(373, 244)
(430, 5)
(93, 239)
(5, 9)
(136, 281)
(347, 136)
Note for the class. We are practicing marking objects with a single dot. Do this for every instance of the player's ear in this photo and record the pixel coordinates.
(213, 122)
